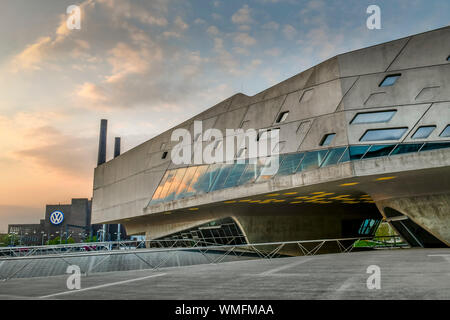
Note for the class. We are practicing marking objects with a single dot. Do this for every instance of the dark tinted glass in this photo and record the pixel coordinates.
(406, 148)
(379, 151)
(434, 146)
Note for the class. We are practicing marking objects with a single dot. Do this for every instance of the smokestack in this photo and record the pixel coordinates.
(116, 147)
(102, 142)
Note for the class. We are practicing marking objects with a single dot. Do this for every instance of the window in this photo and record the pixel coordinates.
(354, 153)
(434, 146)
(423, 132)
(448, 58)
(333, 156)
(406, 148)
(373, 117)
(383, 134)
(312, 160)
(389, 80)
(283, 116)
(326, 140)
(164, 155)
(290, 163)
(379, 151)
(446, 132)
(265, 134)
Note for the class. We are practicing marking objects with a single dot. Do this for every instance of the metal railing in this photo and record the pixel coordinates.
(167, 245)
(156, 254)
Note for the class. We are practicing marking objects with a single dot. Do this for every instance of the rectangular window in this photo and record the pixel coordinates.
(236, 172)
(289, 164)
(283, 116)
(423, 132)
(379, 151)
(326, 140)
(354, 153)
(389, 80)
(373, 117)
(164, 155)
(446, 132)
(434, 146)
(383, 134)
(312, 160)
(406, 148)
(333, 156)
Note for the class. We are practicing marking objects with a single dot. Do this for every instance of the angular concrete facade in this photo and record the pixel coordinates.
(388, 107)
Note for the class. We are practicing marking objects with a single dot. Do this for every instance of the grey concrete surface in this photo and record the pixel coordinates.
(405, 274)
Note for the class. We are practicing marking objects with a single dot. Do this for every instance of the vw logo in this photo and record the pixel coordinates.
(57, 217)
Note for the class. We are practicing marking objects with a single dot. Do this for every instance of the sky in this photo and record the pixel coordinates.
(147, 66)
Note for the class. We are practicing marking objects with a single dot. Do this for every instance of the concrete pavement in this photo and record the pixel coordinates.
(405, 274)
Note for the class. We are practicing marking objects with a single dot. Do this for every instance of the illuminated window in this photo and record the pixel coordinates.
(383, 134)
(326, 140)
(389, 80)
(423, 132)
(373, 117)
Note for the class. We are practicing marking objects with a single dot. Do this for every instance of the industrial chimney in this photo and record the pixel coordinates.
(102, 142)
(116, 147)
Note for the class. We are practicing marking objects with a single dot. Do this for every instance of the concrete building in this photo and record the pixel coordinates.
(363, 136)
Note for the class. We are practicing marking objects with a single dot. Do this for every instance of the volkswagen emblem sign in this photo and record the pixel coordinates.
(57, 217)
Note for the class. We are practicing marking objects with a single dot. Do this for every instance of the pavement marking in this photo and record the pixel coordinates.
(287, 266)
(101, 286)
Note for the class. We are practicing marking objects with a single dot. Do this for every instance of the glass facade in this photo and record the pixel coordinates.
(186, 182)
(373, 117)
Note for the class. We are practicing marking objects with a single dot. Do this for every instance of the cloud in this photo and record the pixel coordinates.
(271, 25)
(180, 24)
(242, 16)
(244, 39)
(274, 52)
(289, 32)
(199, 21)
(30, 58)
(93, 93)
(212, 30)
